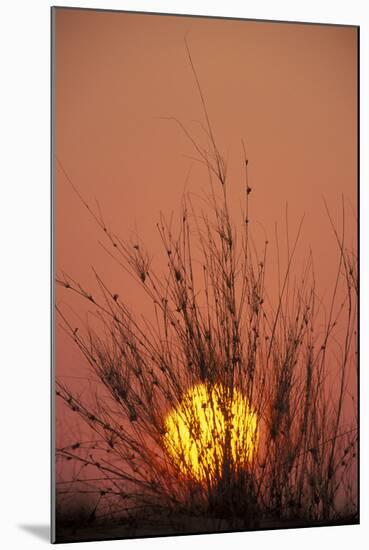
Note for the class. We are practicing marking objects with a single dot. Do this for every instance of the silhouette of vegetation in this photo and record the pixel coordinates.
(214, 325)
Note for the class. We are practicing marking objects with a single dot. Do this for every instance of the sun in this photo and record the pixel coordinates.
(197, 431)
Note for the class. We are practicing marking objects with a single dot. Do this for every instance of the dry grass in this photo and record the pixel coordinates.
(217, 324)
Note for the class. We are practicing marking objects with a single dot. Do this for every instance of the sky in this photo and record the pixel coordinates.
(288, 90)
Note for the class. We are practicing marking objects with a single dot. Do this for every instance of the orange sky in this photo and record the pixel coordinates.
(289, 90)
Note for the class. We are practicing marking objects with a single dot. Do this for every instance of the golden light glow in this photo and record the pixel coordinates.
(197, 429)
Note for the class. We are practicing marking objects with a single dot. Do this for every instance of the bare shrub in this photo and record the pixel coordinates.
(217, 325)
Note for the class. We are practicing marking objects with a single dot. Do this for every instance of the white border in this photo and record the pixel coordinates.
(25, 257)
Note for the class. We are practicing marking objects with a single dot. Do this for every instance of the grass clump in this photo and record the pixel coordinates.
(216, 326)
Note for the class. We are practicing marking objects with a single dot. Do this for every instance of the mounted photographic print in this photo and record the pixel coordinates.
(205, 275)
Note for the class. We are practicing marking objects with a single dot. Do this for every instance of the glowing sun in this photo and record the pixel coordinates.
(197, 429)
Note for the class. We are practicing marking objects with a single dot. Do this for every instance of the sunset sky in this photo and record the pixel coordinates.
(288, 90)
